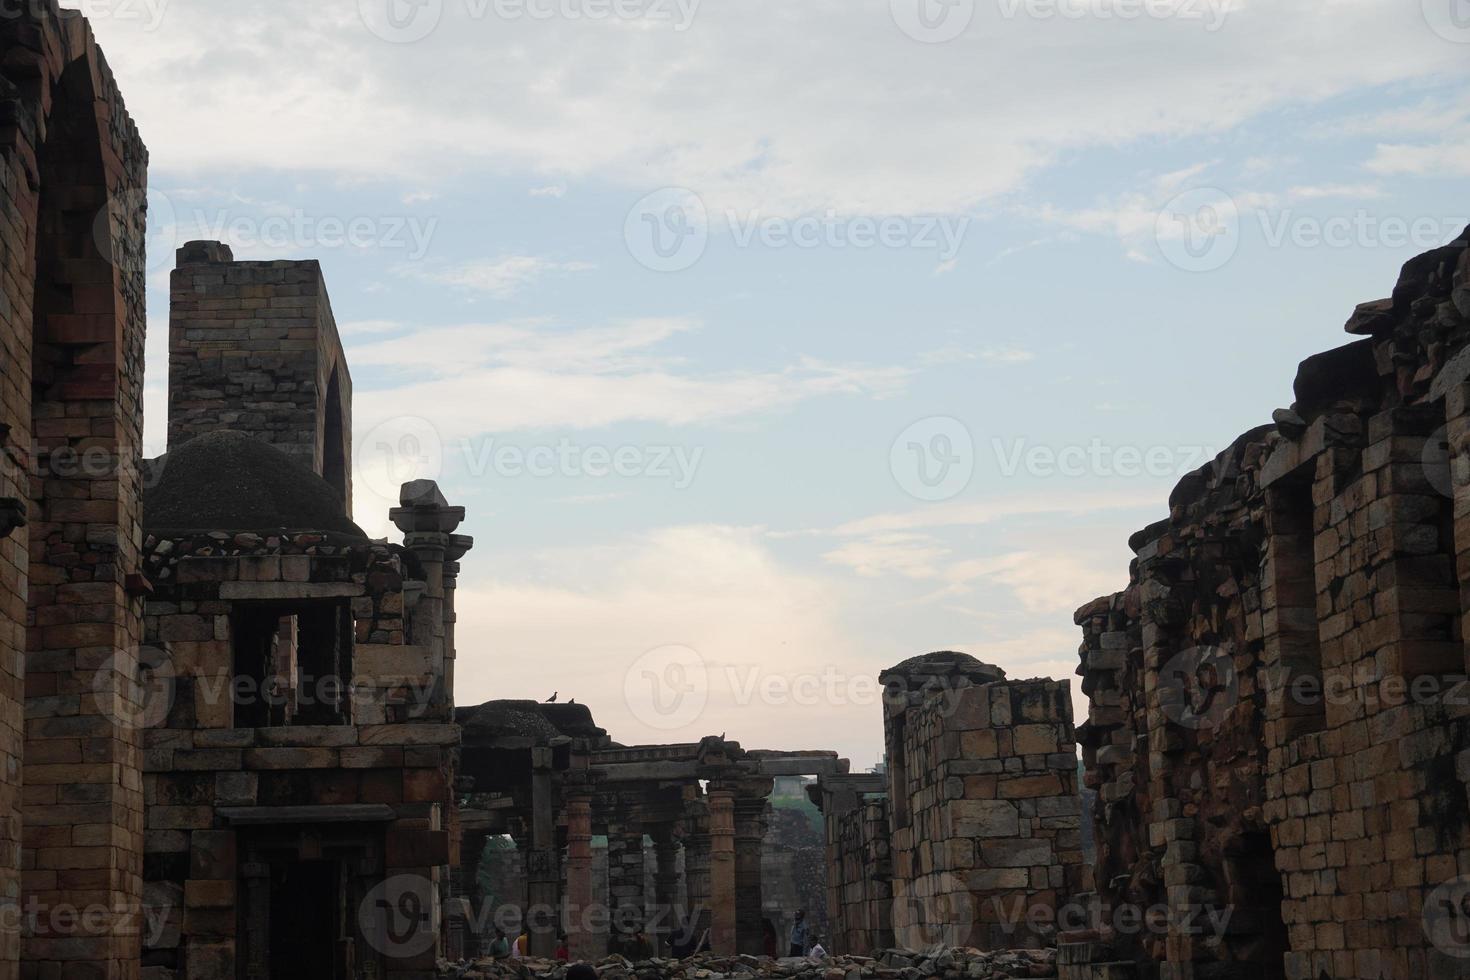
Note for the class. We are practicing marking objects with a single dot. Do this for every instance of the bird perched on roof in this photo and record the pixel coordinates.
(552, 699)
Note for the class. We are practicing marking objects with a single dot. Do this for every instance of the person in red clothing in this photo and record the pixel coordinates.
(563, 953)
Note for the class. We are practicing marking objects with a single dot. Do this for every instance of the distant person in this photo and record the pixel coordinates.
(563, 951)
(818, 953)
(522, 946)
(769, 940)
(799, 935)
(500, 946)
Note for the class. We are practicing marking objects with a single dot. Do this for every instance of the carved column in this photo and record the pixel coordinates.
(750, 833)
(666, 919)
(427, 522)
(543, 872)
(625, 876)
(458, 546)
(722, 871)
(696, 877)
(581, 919)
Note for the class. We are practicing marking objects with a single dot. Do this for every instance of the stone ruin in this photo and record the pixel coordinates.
(229, 745)
(1278, 715)
(688, 853)
(71, 589)
(226, 714)
(972, 836)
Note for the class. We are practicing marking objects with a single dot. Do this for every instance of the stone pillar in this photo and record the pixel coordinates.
(581, 937)
(543, 872)
(459, 545)
(666, 919)
(722, 871)
(750, 833)
(427, 522)
(625, 876)
(696, 878)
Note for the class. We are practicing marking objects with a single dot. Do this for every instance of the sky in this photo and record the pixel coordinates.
(768, 343)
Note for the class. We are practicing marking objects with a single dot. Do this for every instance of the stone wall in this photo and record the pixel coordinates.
(72, 180)
(253, 347)
(984, 805)
(859, 879)
(1278, 728)
(995, 817)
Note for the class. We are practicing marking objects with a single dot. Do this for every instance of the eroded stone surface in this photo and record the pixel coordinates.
(1274, 726)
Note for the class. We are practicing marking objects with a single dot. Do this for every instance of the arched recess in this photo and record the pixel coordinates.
(81, 758)
(334, 439)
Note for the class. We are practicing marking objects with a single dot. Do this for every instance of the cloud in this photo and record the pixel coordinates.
(716, 590)
(1353, 192)
(977, 513)
(504, 377)
(441, 390)
(1447, 158)
(501, 278)
(915, 556)
(642, 105)
(782, 655)
(1046, 582)
(1006, 354)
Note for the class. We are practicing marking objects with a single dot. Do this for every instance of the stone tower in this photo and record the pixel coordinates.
(253, 347)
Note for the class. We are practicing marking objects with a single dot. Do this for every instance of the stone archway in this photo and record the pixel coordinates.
(71, 213)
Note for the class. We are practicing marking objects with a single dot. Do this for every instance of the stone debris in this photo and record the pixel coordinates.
(958, 963)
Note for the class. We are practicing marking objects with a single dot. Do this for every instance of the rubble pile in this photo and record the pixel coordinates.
(939, 963)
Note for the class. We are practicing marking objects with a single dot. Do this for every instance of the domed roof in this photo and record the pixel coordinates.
(949, 662)
(228, 481)
(572, 719)
(495, 719)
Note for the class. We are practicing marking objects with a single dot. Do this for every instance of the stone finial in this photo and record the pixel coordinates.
(425, 510)
(421, 493)
(204, 253)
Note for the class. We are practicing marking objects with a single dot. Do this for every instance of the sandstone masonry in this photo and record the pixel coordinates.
(1278, 727)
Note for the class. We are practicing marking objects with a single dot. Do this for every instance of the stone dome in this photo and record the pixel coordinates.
(228, 481)
(949, 662)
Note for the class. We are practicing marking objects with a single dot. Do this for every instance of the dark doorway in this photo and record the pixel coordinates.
(305, 916)
(1258, 894)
